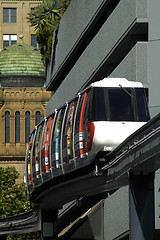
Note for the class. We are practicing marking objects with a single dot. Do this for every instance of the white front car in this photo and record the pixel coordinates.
(108, 135)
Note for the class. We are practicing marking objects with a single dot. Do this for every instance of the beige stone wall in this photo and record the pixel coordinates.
(22, 25)
(22, 100)
(19, 165)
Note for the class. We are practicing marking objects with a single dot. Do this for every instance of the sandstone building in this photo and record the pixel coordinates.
(22, 100)
(13, 22)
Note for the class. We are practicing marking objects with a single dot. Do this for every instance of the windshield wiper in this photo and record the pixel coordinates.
(126, 91)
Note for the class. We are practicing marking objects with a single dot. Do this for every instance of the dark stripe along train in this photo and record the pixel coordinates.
(96, 120)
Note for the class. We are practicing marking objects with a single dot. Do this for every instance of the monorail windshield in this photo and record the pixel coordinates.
(119, 104)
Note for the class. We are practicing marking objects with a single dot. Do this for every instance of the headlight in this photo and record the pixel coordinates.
(108, 148)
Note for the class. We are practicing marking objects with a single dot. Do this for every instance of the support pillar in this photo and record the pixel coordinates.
(141, 207)
(49, 224)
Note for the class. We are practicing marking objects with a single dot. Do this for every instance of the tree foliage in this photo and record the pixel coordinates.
(13, 199)
(45, 19)
(12, 195)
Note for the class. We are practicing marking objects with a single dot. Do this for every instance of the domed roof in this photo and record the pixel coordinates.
(21, 66)
(21, 59)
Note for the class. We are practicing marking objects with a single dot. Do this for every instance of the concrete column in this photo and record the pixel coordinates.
(49, 224)
(141, 207)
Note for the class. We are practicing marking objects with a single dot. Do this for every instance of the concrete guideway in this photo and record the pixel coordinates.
(22, 223)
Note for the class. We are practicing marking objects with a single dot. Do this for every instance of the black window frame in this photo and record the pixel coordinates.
(27, 125)
(7, 43)
(17, 127)
(37, 117)
(7, 127)
(34, 41)
(9, 15)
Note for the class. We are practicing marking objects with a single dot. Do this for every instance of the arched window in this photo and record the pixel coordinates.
(7, 127)
(27, 126)
(17, 127)
(38, 116)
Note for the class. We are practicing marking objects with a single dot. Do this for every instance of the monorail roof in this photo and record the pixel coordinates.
(117, 82)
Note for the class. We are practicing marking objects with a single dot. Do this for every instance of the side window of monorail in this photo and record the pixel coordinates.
(39, 137)
(56, 139)
(38, 148)
(121, 104)
(68, 132)
(43, 145)
(88, 106)
(58, 133)
(34, 155)
(29, 157)
(72, 116)
(48, 141)
(53, 141)
(83, 113)
(79, 113)
(142, 108)
(64, 135)
(44, 151)
(78, 135)
(98, 105)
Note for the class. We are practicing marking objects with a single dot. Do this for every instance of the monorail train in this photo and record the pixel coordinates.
(98, 119)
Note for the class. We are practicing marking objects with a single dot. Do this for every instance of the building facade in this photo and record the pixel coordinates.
(23, 100)
(117, 38)
(13, 21)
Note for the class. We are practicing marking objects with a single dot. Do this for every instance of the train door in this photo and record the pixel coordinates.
(52, 143)
(29, 156)
(64, 135)
(56, 142)
(26, 168)
(38, 149)
(70, 130)
(37, 152)
(43, 164)
(50, 132)
(47, 163)
(67, 145)
(87, 124)
(33, 167)
(79, 134)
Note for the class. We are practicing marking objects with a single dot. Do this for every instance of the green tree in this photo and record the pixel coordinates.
(12, 195)
(13, 199)
(45, 19)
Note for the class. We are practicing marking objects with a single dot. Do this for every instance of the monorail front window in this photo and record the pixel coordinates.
(118, 104)
(143, 113)
(121, 104)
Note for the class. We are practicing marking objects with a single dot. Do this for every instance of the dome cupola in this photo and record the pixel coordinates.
(21, 66)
